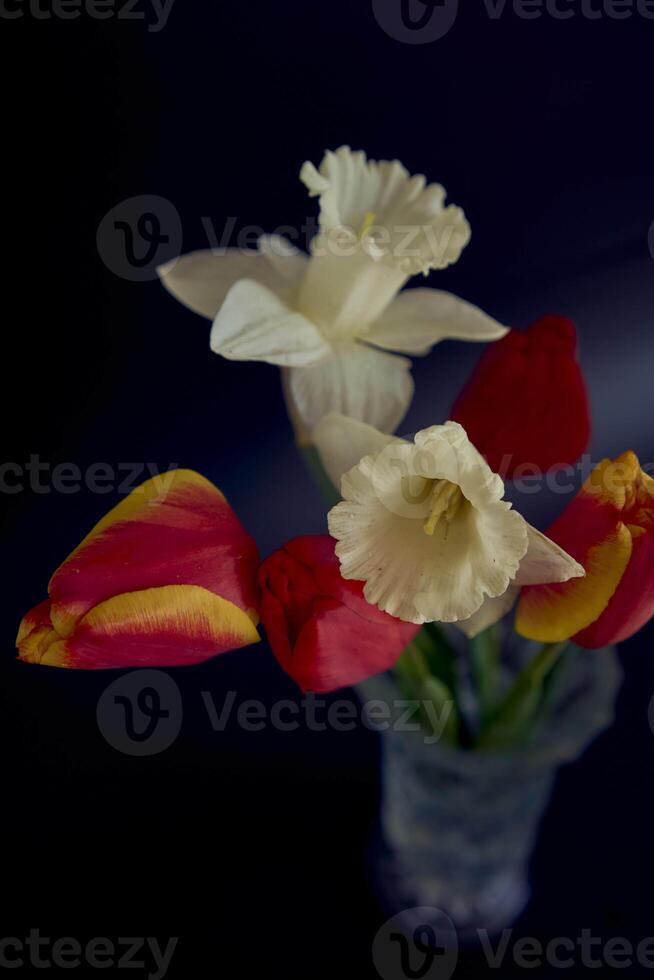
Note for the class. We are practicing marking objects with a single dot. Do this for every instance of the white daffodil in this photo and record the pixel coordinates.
(424, 525)
(328, 320)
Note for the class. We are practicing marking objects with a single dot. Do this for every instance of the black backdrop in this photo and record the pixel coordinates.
(251, 846)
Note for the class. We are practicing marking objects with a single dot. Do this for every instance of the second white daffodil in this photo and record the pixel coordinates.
(425, 526)
(331, 319)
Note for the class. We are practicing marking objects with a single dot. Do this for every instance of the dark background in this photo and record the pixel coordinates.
(251, 847)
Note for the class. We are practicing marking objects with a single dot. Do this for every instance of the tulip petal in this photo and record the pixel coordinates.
(356, 381)
(526, 402)
(603, 528)
(551, 613)
(419, 318)
(201, 280)
(176, 528)
(632, 604)
(255, 324)
(36, 633)
(170, 626)
(343, 442)
(321, 629)
(337, 649)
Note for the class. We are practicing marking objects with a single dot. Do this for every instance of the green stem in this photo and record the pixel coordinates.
(437, 708)
(510, 721)
(485, 656)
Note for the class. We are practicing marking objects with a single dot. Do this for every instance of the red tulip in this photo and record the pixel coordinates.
(609, 529)
(526, 402)
(167, 577)
(321, 629)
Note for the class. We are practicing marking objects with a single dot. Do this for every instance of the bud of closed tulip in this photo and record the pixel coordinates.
(320, 627)
(167, 578)
(609, 528)
(526, 402)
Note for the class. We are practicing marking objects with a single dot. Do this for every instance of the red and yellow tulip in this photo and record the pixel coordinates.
(320, 627)
(168, 577)
(526, 402)
(609, 529)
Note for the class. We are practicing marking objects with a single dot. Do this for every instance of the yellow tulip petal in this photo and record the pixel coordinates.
(551, 613)
(169, 626)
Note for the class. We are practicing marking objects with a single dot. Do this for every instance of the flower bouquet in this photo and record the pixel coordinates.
(486, 645)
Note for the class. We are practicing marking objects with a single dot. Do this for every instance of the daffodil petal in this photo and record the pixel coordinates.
(202, 279)
(342, 442)
(255, 324)
(356, 381)
(489, 613)
(419, 318)
(546, 561)
(287, 260)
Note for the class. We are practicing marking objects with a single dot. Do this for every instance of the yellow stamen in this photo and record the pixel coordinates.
(368, 222)
(446, 500)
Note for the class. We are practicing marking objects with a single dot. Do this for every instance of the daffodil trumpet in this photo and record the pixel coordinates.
(423, 524)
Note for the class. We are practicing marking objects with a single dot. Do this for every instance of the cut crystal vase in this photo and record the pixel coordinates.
(458, 826)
